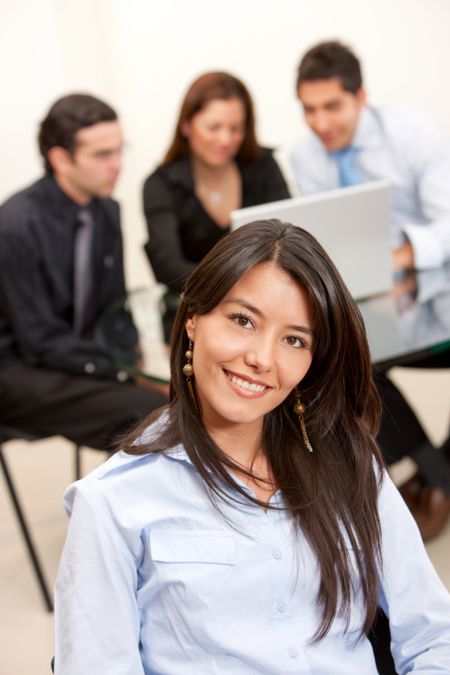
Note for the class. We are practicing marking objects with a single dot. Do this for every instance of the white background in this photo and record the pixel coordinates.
(140, 55)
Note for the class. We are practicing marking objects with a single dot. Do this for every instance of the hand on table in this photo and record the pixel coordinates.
(403, 258)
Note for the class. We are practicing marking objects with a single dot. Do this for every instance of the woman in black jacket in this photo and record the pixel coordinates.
(213, 166)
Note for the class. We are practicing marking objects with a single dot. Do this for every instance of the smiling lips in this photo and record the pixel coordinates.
(246, 386)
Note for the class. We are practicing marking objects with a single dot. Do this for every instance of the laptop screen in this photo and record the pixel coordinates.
(352, 224)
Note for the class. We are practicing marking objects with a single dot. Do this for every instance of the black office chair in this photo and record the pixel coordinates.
(9, 434)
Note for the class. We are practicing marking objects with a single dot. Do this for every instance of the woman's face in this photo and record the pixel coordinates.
(215, 134)
(252, 349)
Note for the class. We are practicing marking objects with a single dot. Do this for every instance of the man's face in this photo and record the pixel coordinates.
(93, 167)
(331, 112)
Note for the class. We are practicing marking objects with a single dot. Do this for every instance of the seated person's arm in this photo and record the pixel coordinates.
(430, 162)
(275, 186)
(403, 257)
(164, 249)
(43, 338)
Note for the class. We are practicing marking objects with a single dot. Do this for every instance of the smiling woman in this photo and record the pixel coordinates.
(248, 527)
(250, 352)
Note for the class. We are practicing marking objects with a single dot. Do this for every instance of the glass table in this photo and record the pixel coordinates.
(411, 321)
(130, 333)
(405, 324)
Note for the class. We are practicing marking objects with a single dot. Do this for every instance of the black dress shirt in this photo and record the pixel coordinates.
(181, 231)
(37, 229)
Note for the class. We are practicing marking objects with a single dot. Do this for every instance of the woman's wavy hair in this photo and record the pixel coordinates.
(331, 493)
(210, 87)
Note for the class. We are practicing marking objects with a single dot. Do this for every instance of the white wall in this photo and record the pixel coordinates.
(140, 55)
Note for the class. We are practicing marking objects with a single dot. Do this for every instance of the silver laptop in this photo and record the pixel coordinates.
(352, 224)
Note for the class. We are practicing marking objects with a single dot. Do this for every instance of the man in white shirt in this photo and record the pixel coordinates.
(352, 143)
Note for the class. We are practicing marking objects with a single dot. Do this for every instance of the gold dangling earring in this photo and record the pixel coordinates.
(299, 409)
(188, 371)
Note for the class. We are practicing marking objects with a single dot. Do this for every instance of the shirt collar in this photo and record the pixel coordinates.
(177, 452)
(368, 134)
(62, 202)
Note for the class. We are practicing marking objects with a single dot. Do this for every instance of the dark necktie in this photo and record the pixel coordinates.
(83, 273)
(347, 166)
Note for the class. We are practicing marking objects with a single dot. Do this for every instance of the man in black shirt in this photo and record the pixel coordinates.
(61, 266)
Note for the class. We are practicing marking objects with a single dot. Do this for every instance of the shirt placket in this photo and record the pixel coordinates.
(275, 530)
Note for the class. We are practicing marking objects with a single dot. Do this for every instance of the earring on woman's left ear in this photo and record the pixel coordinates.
(188, 370)
(299, 409)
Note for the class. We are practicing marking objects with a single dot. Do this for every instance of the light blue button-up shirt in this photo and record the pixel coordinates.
(153, 580)
(400, 146)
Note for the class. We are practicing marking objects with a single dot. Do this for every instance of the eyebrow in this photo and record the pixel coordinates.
(326, 104)
(255, 310)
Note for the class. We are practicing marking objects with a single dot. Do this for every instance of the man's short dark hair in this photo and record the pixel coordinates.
(68, 115)
(329, 60)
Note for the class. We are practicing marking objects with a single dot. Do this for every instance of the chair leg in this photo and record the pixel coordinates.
(26, 534)
(77, 462)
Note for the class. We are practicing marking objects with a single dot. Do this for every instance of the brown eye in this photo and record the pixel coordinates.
(296, 341)
(242, 320)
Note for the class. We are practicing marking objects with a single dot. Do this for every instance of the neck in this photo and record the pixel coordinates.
(206, 172)
(242, 445)
(75, 194)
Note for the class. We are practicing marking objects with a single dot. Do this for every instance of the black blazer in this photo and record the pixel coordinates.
(37, 228)
(180, 231)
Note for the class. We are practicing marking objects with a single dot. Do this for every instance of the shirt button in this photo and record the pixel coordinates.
(229, 557)
(89, 368)
(292, 652)
(122, 376)
(276, 553)
(281, 607)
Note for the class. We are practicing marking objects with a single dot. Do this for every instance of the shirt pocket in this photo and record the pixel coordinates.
(192, 570)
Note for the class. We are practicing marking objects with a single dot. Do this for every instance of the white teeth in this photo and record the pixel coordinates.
(248, 386)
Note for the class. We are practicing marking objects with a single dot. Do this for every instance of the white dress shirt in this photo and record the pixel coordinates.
(400, 146)
(153, 580)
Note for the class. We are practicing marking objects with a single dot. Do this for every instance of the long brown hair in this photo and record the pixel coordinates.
(331, 494)
(207, 88)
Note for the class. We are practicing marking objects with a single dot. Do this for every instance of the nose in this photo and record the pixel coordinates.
(320, 122)
(116, 162)
(225, 137)
(260, 354)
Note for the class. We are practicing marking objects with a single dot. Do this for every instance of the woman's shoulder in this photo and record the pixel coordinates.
(265, 156)
(266, 153)
(177, 172)
(265, 162)
(126, 472)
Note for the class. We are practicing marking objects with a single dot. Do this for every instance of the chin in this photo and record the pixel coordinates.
(243, 416)
(219, 162)
(333, 145)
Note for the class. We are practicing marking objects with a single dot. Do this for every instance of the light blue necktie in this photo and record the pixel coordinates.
(347, 165)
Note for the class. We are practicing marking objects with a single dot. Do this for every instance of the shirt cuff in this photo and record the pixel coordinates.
(427, 249)
(431, 284)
